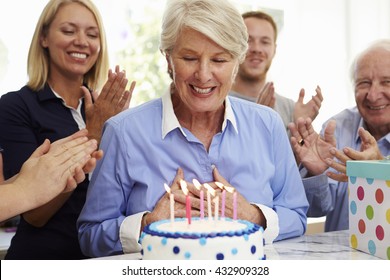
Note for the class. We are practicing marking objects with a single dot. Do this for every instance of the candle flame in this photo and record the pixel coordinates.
(219, 185)
(209, 189)
(183, 185)
(197, 185)
(229, 189)
(167, 188)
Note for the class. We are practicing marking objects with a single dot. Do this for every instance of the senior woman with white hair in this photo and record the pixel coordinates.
(195, 131)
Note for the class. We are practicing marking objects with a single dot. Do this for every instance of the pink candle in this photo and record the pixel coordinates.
(201, 204)
(183, 186)
(198, 186)
(171, 203)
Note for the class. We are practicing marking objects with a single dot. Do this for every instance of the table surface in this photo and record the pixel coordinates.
(321, 246)
(6, 235)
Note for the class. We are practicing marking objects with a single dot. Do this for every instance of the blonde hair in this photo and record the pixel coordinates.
(218, 20)
(38, 57)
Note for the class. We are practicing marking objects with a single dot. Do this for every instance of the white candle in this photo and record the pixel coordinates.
(223, 204)
(216, 210)
(222, 187)
(171, 203)
(172, 207)
(233, 191)
(210, 191)
(198, 186)
(235, 205)
(209, 206)
(201, 204)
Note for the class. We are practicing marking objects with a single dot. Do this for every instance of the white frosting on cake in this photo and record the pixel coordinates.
(203, 239)
(200, 226)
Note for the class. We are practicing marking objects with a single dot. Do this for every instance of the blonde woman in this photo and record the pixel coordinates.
(67, 67)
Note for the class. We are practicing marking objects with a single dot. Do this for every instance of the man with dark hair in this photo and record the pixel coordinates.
(250, 82)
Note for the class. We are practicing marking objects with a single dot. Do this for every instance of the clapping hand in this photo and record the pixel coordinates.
(62, 147)
(311, 108)
(310, 148)
(113, 99)
(267, 95)
(368, 151)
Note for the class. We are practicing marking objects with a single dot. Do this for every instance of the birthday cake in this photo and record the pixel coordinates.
(224, 239)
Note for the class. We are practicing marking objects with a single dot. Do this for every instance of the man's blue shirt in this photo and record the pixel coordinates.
(329, 197)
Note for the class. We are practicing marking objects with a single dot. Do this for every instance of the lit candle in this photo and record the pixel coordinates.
(222, 187)
(210, 191)
(235, 205)
(171, 203)
(233, 191)
(209, 206)
(216, 203)
(223, 203)
(198, 186)
(183, 186)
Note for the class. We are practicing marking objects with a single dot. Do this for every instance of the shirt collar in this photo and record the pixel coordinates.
(46, 93)
(363, 124)
(170, 121)
(64, 103)
(229, 115)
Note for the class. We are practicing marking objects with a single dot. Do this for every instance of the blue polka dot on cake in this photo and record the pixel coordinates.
(253, 249)
(187, 255)
(176, 250)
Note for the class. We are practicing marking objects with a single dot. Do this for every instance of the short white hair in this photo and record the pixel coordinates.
(219, 20)
(382, 44)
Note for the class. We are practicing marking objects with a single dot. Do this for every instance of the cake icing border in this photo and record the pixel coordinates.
(152, 230)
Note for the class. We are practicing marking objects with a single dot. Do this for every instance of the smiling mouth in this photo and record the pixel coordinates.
(257, 60)
(78, 55)
(377, 108)
(202, 90)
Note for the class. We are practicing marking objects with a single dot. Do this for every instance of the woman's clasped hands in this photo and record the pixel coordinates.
(245, 210)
